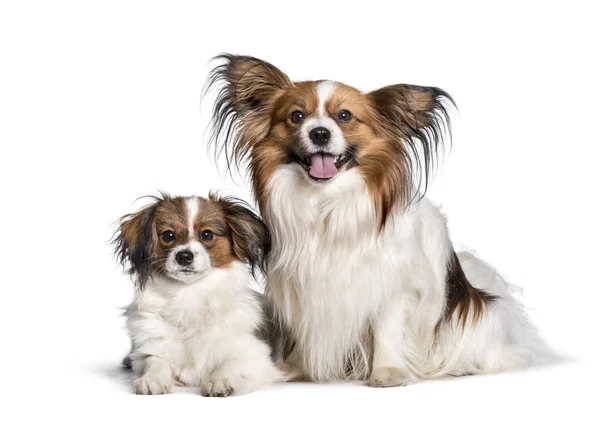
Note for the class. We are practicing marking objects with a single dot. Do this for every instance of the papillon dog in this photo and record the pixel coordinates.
(194, 319)
(362, 275)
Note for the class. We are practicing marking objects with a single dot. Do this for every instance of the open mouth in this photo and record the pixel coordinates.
(323, 166)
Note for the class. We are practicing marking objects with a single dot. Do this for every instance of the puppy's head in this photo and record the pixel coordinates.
(183, 238)
(390, 136)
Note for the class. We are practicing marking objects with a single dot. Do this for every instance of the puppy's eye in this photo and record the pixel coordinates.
(297, 116)
(206, 235)
(344, 116)
(168, 236)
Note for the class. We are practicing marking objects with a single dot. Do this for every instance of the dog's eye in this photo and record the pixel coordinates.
(297, 116)
(168, 236)
(344, 116)
(206, 235)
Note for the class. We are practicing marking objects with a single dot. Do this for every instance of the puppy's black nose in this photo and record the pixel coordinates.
(184, 257)
(320, 135)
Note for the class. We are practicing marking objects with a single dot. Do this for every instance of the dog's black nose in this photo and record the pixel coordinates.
(320, 135)
(184, 257)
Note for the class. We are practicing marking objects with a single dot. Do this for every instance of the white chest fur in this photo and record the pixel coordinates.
(219, 305)
(200, 333)
(188, 306)
(332, 271)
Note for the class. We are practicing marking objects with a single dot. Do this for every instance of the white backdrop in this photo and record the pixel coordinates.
(100, 104)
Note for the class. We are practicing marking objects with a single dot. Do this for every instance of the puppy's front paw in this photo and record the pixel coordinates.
(189, 376)
(151, 385)
(216, 388)
(383, 377)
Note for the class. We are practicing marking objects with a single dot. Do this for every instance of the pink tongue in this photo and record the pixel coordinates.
(322, 166)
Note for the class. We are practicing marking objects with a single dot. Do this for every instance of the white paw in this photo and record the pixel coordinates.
(216, 388)
(151, 385)
(383, 377)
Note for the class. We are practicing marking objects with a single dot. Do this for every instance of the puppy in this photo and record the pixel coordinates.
(362, 275)
(193, 318)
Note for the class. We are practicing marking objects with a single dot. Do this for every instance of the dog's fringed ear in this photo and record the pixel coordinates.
(249, 234)
(418, 117)
(134, 243)
(247, 90)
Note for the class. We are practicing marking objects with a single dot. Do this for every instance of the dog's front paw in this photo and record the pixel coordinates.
(216, 388)
(291, 372)
(383, 377)
(151, 385)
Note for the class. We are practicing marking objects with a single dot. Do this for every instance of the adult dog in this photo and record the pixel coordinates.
(362, 274)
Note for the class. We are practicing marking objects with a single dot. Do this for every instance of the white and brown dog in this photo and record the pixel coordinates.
(194, 319)
(362, 274)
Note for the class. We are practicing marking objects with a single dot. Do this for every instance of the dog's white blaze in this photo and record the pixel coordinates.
(201, 258)
(325, 90)
(192, 204)
(337, 145)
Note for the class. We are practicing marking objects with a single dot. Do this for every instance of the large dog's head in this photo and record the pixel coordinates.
(390, 136)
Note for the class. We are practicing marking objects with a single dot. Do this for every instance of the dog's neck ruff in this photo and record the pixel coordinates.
(323, 269)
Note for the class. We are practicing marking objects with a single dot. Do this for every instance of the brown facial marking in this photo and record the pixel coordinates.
(379, 159)
(274, 149)
(301, 96)
(463, 300)
(237, 233)
(170, 215)
(173, 214)
(210, 217)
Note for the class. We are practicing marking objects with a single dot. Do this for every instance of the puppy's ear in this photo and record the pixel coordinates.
(134, 243)
(249, 234)
(248, 90)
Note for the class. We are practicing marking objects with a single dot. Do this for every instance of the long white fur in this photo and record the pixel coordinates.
(333, 277)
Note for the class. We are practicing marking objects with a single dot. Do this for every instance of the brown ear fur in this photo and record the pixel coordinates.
(241, 116)
(412, 121)
(134, 242)
(249, 235)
